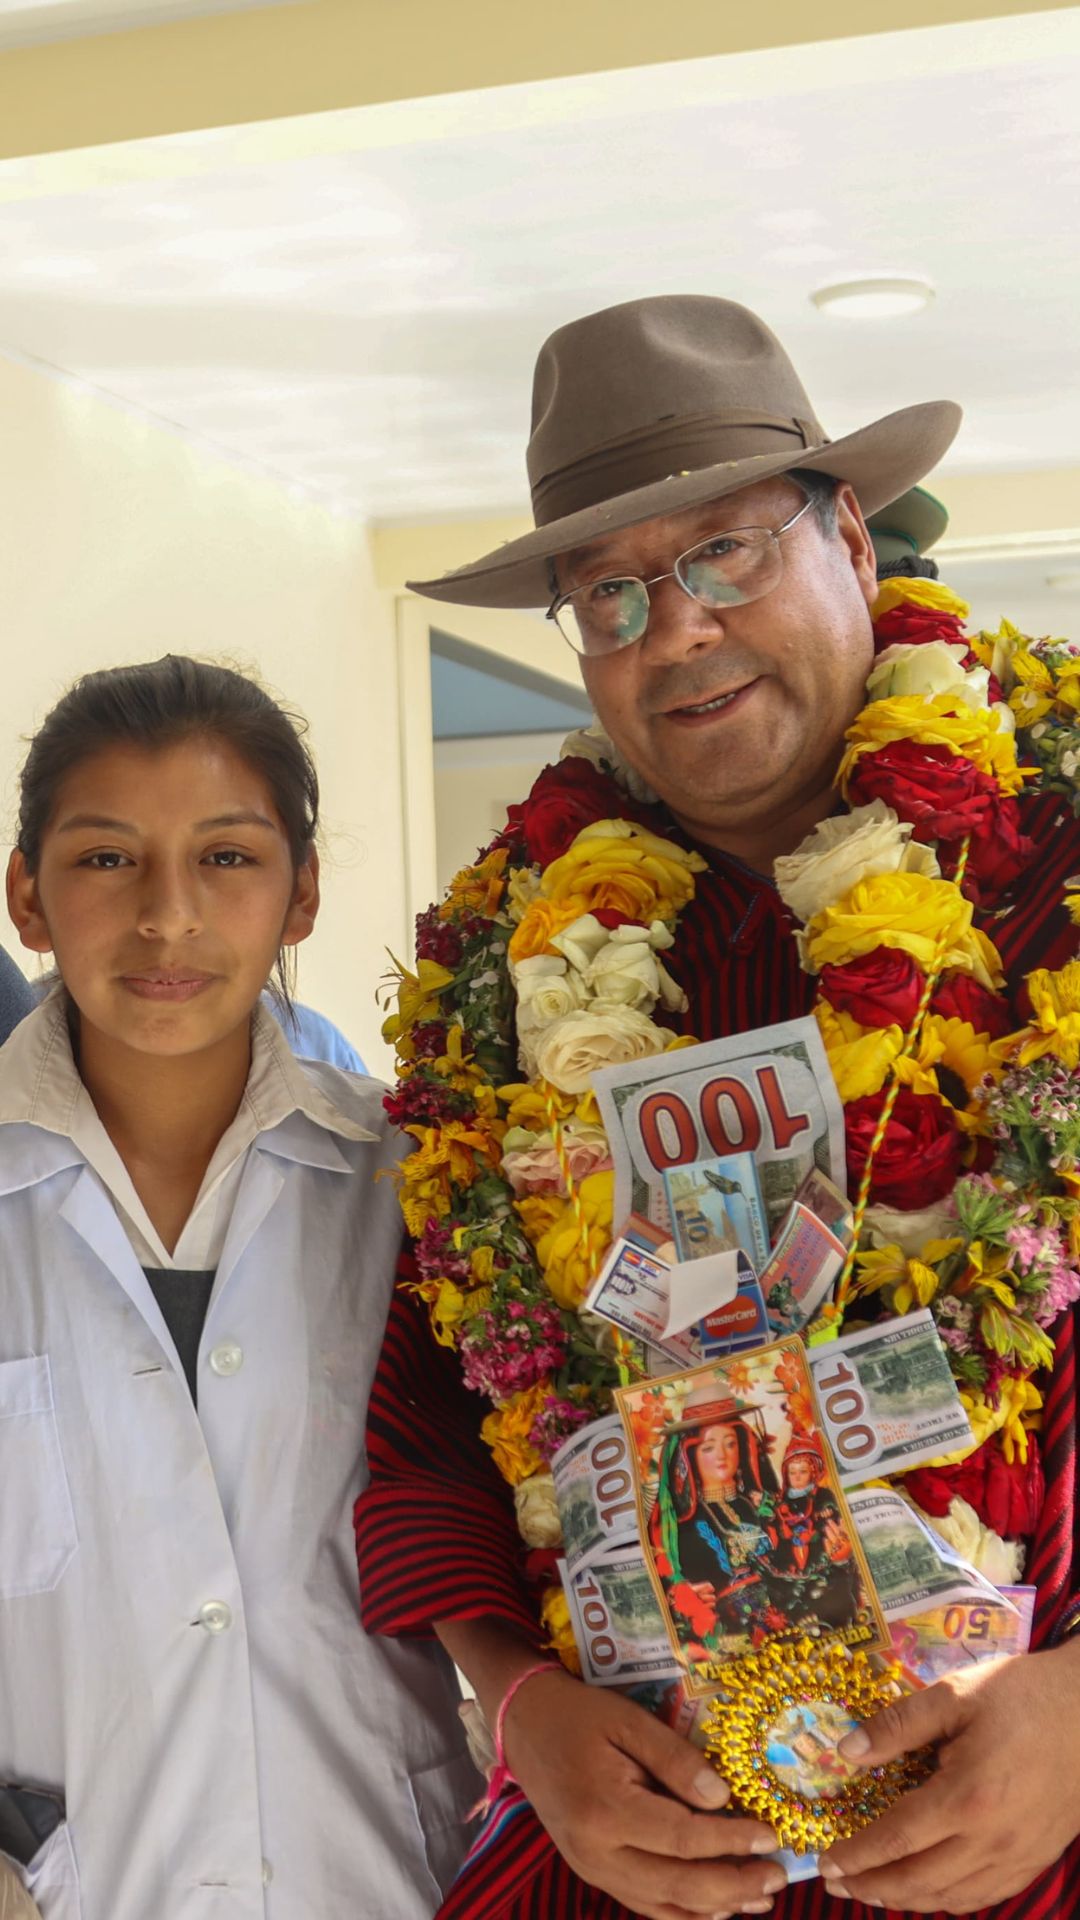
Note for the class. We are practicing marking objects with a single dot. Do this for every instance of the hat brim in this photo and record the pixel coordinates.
(881, 462)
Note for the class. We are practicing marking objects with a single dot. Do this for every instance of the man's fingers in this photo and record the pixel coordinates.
(917, 1822)
(671, 1760)
(918, 1720)
(699, 1887)
(921, 1883)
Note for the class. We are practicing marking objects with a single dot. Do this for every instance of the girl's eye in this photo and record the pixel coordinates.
(105, 862)
(230, 857)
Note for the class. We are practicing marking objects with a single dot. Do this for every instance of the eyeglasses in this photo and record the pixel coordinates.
(727, 570)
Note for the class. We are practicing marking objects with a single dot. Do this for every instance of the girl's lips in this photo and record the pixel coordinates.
(702, 714)
(163, 987)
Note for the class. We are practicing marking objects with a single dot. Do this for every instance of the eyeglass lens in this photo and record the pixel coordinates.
(722, 572)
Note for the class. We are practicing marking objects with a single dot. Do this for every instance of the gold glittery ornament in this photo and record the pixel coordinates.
(774, 1732)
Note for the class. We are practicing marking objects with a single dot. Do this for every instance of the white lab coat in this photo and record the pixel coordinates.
(180, 1650)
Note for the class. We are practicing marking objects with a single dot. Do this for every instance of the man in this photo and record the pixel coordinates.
(659, 429)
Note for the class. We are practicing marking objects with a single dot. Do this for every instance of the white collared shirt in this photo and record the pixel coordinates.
(180, 1652)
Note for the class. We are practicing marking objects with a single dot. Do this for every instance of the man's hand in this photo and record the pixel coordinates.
(632, 1806)
(1003, 1805)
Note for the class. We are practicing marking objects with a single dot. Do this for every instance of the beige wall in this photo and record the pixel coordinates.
(475, 782)
(121, 541)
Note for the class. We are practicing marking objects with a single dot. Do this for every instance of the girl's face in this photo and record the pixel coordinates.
(718, 1454)
(165, 889)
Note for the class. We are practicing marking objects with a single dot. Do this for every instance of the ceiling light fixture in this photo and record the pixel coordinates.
(874, 296)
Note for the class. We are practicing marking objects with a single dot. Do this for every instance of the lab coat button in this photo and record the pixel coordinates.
(227, 1359)
(267, 1873)
(215, 1616)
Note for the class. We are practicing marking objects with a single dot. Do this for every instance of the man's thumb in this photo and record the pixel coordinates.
(917, 1720)
(678, 1766)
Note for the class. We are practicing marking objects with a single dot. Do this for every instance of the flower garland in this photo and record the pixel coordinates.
(545, 963)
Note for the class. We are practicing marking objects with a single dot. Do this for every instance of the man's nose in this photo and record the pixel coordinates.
(678, 624)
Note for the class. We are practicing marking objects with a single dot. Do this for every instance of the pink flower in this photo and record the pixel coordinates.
(511, 1347)
(537, 1169)
(555, 1422)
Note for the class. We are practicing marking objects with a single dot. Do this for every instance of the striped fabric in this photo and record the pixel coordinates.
(435, 1530)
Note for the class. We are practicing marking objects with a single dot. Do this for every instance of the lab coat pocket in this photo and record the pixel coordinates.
(37, 1520)
(53, 1877)
(443, 1797)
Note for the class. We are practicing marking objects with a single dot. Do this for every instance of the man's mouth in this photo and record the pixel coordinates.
(701, 709)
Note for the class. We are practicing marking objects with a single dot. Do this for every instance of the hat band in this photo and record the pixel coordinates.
(646, 455)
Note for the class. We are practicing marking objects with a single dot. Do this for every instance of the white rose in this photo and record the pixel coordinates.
(538, 1511)
(627, 973)
(546, 990)
(999, 1561)
(934, 668)
(571, 1050)
(581, 941)
(841, 852)
(889, 1227)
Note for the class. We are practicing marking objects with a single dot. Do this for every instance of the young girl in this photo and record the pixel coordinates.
(196, 1259)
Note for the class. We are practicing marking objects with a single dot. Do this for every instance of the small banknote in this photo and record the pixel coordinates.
(826, 1202)
(594, 1488)
(802, 1269)
(716, 1207)
(912, 1569)
(618, 1627)
(963, 1634)
(888, 1398)
(740, 1324)
(633, 1291)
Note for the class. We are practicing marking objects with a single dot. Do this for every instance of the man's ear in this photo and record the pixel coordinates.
(855, 534)
(24, 905)
(304, 907)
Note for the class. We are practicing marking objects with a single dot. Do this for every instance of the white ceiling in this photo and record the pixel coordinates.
(354, 301)
(26, 21)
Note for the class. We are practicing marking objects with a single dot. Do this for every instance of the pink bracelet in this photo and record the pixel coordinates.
(501, 1775)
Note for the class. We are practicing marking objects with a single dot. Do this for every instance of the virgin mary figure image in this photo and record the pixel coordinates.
(709, 1528)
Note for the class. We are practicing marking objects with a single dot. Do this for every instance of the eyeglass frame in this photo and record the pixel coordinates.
(620, 579)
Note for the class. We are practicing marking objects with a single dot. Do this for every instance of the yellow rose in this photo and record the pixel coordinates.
(840, 852)
(538, 1213)
(917, 593)
(619, 867)
(541, 921)
(571, 1250)
(506, 1431)
(860, 1057)
(930, 919)
(982, 737)
(555, 1616)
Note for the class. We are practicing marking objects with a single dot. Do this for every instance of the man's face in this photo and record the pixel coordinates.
(735, 716)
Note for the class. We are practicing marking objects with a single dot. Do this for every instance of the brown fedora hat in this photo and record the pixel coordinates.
(656, 405)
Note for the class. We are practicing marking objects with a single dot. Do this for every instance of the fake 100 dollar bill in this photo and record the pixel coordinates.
(618, 1627)
(594, 1488)
(912, 1569)
(770, 1093)
(888, 1398)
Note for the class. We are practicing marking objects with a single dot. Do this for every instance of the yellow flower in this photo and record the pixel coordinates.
(917, 1290)
(539, 924)
(917, 593)
(914, 1281)
(1033, 694)
(930, 919)
(527, 1106)
(452, 1155)
(506, 1432)
(477, 889)
(1067, 688)
(620, 867)
(1072, 902)
(555, 1617)
(1055, 1026)
(1016, 1401)
(522, 889)
(860, 1057)
(568, 1261)
(538, 1213)
(417, 997)
(939, 721)
(482, 1265)
(954, 1046)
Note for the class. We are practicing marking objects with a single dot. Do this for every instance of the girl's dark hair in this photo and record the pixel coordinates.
(161, 704)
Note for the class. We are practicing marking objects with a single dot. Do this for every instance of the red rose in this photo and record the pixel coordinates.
(881, 989)
(912, 626)
(1006, 1496)
(959, 997)
(940, 793)
(564, 799)
(919, 1159)
(998, 854)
